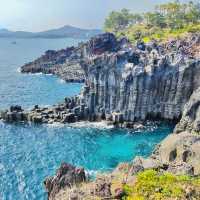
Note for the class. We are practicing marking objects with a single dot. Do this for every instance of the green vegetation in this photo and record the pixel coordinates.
(168, 20)
(153, 185)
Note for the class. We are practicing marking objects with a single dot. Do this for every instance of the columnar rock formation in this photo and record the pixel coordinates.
(147, 81)
(124, 83)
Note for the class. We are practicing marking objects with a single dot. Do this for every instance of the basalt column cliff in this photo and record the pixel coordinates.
(146, 81)
(123, 83)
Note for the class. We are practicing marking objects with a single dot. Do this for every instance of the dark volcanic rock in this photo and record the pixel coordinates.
(102, 43)
(14, 114)
(16, 108)
(66, 176)
(63, 63)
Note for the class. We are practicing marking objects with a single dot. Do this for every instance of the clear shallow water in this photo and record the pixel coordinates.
(29, 153)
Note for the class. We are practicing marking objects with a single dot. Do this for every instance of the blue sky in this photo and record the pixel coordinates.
(38, 15)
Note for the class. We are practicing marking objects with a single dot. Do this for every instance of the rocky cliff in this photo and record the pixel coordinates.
(190, 120)
(147, 81)
(123, 83)
(62, 63)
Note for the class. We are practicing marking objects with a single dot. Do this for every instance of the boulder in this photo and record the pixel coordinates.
(117, 117)
(37, 119)
(190, 120)
(69, 118)
(16, 108)
(3, 114)
(182, 148)
(119, 193)
(140, 164)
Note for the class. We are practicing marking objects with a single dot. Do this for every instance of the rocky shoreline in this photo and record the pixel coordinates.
(61, 113)
(62, 63)
(125, 84)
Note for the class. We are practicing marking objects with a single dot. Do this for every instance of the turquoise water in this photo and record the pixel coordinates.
(29, 153)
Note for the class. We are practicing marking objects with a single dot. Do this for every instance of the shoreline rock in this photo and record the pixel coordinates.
(61, 63)
(66, 176)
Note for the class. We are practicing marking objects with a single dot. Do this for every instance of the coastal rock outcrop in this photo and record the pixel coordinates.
(63, 63)
(14, 114)
(180, 153)
(66, 176)
(190, 120)
(177, 153)
(71, 110)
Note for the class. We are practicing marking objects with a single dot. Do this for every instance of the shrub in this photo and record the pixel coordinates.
(153, 185)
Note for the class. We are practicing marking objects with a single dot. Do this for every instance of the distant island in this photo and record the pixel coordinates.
(63, 32)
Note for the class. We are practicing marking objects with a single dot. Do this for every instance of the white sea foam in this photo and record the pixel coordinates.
(36, 74)
(56, 125)
(2, 124)
(19, 69)
(61, 81)
(44, 106)
(49, 74)
(91, 173)
(39, 74)
(87, 124)
(82, 124)
(2, 167)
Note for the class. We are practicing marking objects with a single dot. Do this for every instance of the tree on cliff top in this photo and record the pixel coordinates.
(167, 19)
(120, 20)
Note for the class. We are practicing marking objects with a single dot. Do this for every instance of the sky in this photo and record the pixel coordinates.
(40, 15)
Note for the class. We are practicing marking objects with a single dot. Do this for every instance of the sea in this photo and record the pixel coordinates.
(30, 153)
